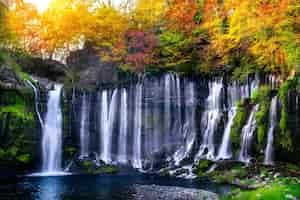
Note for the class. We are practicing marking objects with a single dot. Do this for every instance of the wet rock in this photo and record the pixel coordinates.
(90, 69)
(9, 79)
(151, 192)
(50, 69)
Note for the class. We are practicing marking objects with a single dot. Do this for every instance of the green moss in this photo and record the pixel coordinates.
(25, 158)
(202, 167)
(70, 150)
(238, 123)
(285, 140)
(13, 151)
(262, 97)
(280, 190)
(2, 154)
(18, 125)
(106, 170)
(88, 166)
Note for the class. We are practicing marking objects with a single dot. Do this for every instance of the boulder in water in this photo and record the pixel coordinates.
(150, 192)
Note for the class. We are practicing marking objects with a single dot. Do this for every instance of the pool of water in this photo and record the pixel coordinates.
(100, 187)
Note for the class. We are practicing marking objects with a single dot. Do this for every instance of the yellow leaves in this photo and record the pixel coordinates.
(264, 29)
(109, 28)
(148, 13)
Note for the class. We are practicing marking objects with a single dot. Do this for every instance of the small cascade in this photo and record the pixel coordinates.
(36, 99)
(84, 126)
(225, 151)
(167, 109)
(179, 104)
(156, 119)
(235, 93)
(189, 129)
(272, 124)
(122, 144)
(52, 133)
(108, 113)
(137, 138)
(254, 84)
(210, 120)
(247, 136)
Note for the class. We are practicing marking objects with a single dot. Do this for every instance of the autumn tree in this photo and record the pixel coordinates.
(182, 15)
(4, 32)
(147, 14)
(140, 49)
(23, 22)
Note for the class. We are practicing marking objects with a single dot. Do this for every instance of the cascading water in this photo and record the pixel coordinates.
(189, 129)
(225, 151)
(167, 109)
(210, 120)
(84, 126)
(152, 124)
(272, 121)
(52, 133)
(247, 136)
(137, 138)
(36, 99)
(108, 112)
(122, 144)
(235, 93)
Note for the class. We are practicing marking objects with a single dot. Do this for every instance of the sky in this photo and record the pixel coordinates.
(43, 4)
(40, 4)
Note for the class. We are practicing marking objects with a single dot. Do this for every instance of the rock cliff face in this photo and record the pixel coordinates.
(164, 113)
(90, 70)
(9, 79)
(51, 69)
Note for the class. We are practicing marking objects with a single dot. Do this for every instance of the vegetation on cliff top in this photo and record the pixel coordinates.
(205, 35)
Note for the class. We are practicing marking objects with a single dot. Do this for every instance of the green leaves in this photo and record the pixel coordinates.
(174, 48)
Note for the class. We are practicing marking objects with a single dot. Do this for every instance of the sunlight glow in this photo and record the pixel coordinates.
(41, 5)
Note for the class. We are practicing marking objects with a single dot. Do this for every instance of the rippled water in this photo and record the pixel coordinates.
(100, 187)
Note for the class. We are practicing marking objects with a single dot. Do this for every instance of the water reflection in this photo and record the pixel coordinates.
(50, 188)
(104, 187)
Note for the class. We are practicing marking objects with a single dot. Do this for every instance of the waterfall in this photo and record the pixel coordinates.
(225, 151)
(156, 118)
(167, 109)
(36, 99)
(52, 133)
(137, 138)
(84, 126)
(247, 136)
(210, 120)
(272, 124)
(189, 129)
(152, 123)
(178, 90)
(235, 92)
(104, 127)
(108, 112)
(122, 150)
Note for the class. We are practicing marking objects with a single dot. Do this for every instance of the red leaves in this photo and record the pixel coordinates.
(141, 47)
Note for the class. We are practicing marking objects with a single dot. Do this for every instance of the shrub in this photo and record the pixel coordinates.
(238, 123)
(285, 141)
(262, 97)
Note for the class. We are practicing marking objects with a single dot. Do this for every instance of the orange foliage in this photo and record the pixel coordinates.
(180, 15)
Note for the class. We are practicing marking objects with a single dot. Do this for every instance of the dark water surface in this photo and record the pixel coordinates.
(100, 187)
